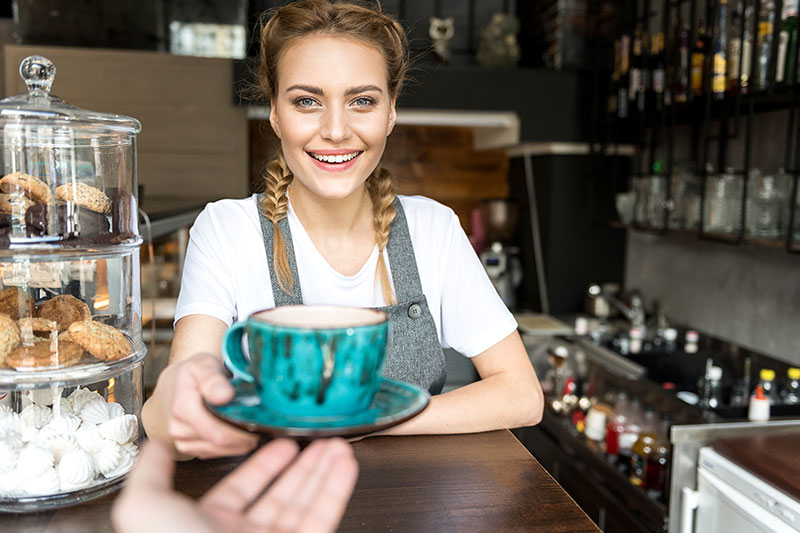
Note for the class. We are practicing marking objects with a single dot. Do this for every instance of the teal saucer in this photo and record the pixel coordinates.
(395, 403)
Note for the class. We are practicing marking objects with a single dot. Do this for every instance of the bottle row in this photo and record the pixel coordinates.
(734, 53)
(653, 202)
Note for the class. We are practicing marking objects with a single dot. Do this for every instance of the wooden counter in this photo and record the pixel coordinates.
(478, 482)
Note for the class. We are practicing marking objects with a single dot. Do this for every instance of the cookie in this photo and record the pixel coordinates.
(31, 186)
(85, 195)
(9, 337)
(101, 340)
(40, 327)
(39, 355)
(64, 310)
(10, 202)
(16, 303)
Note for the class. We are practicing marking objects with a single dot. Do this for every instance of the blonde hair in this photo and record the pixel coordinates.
(342, 19)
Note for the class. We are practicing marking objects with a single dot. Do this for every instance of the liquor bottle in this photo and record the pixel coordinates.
(616, 424)
(643, 446)
(657, 72)
(698, 58)
(656, 473)
(790, 395)
(682, 78)
(747, 47)
(624, 74)
(734, 47)
(720, 50)
(765, 24)
(767, 383)
(785, 69)
(629, 434)
(636, 84)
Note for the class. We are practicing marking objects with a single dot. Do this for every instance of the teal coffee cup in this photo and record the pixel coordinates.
(310, 361)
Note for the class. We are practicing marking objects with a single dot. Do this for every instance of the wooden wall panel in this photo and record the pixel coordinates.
(194, 140)
(437, 162)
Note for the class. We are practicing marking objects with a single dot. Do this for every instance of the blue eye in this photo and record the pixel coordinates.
(363, 101)
(305, 102)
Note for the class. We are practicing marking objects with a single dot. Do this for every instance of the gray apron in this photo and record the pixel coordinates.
(415, 353)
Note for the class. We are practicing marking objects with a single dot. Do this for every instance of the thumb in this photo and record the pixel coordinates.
(154, 469)
(207, 372)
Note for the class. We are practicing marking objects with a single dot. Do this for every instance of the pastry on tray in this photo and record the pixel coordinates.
(101, 340)
(16, 303)
(86, 196)
(33, 187)
(41, 355)
(64, 310)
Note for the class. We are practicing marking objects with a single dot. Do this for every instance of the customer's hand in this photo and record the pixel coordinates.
(309, 496)
(190, 427)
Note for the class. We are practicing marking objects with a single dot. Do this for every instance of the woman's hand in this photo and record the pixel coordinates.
(188, 425)
(310, 495)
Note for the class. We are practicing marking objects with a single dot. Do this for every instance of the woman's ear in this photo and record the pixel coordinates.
(273, 120)
(392, 117)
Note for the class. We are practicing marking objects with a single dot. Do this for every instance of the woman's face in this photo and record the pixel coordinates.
(332, 111)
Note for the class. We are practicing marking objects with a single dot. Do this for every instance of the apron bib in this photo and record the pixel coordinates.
(414, 354)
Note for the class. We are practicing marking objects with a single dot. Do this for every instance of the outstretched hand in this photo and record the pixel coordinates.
(309, 494)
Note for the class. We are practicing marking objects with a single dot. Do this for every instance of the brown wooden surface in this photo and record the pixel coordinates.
(478, 482)
(773, 458)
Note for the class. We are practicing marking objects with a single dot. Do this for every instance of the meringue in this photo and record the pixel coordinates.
(108, 456)
(57, 443)
(33, 460)
(36, 416)
(76, 469)
(44, 397)
(115, 410)
(44, 483)
(10, 447)
(80, 397)
(126, 462)
(95, 412)
(11, 421)
(63, 424)
(88, 438)
(121, 430)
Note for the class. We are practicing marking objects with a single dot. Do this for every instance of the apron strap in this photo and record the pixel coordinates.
(281, 297)
(402, 261)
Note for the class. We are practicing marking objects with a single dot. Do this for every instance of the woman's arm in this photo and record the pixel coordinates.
(508, 395)
(175, 413)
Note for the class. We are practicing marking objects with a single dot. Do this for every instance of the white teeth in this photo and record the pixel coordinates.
(334, 158)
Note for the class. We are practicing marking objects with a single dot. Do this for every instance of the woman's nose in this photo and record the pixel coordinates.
(335, 126)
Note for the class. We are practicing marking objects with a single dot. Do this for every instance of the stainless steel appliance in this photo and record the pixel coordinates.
(501, 260)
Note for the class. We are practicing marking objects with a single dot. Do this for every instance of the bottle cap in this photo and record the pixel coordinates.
(793, 373)
(715, 373)
(670, 334)
(692, 336)
(767, 374)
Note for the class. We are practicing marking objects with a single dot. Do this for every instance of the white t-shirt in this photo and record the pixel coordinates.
(226, 274)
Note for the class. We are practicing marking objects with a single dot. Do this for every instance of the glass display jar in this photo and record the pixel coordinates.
(71, 345)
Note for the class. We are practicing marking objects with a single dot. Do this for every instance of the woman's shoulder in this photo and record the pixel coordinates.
(422, 207)
(227, 216)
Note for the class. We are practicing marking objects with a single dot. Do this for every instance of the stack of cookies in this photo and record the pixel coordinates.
(58, 332)
(81, 209)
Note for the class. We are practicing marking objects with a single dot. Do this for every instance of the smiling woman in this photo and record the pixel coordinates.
(330, 230)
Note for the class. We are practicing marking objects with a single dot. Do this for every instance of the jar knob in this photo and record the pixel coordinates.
(38, 73)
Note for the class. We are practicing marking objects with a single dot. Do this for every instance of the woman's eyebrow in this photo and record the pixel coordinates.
(306, 88)
(319, 92)
(362, 89)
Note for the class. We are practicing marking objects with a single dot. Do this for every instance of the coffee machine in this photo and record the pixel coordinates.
(501, 259)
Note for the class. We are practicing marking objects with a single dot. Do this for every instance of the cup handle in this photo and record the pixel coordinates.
(232, 352)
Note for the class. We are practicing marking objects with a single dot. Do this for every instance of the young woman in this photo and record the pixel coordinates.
(332, 73)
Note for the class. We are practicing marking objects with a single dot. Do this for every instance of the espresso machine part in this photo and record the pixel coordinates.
(500, 219)
(504, 268)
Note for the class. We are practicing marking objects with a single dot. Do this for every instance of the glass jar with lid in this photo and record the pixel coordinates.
(71, 345)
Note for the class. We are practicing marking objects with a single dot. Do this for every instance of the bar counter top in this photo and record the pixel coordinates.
(475, 482)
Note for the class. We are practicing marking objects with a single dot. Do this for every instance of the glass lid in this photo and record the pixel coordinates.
(39, 106)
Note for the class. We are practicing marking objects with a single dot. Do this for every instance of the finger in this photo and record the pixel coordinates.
(326, 509)
(239, 488)
(211, 381)
(308, 469)
(154, 469)
(307, 494)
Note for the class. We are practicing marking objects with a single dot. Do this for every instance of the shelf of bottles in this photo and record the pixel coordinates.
(674, 73)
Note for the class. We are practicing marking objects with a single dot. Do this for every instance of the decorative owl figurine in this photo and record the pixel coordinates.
(441, 32)
(497, 42)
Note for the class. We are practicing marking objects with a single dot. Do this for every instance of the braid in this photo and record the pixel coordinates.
(381, 192)
(274, 206)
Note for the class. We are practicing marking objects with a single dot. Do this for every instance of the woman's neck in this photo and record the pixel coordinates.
(321, 216)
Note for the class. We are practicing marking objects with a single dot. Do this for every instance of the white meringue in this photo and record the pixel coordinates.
(80, 397)
(57, 443)
(121, 430)
(95, 412)
(115, 410)
(33, 460)
(11, 421)
(10, 447)
(131, 448)
(107, 456)
(126, 462)
(89, 439)
(64, 406)
(44, 483)
(76, 469)
(5, 411)
(44, 397)
(63, 424)
(9, 485)
(36, 416)
(28, 433)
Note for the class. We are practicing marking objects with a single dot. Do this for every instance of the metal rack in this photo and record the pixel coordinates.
(735, 113)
